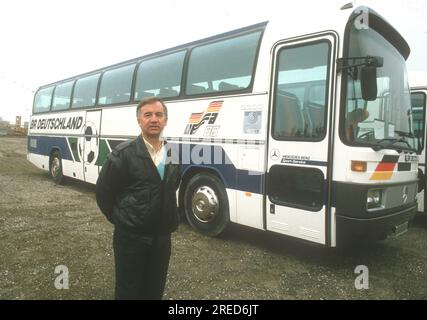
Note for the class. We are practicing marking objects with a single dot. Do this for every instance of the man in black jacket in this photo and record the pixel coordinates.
(136, 191)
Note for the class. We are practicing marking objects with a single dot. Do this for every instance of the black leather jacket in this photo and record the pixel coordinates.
(131, 194)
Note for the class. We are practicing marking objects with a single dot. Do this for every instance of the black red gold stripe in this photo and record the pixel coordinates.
(385, 168)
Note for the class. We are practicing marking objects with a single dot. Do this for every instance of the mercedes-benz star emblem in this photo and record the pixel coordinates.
(275, 154)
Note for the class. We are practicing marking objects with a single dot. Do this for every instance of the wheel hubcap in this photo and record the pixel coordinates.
(55, 167)
(205, 204)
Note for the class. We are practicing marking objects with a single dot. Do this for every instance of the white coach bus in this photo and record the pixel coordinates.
(310, 118)
(419, 105)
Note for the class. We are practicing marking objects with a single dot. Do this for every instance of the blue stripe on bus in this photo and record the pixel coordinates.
(45, 144)
(234, 178)
(304, 162)
(317, 163)
(218, 161)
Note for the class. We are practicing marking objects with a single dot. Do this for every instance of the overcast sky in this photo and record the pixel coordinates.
(44, 41)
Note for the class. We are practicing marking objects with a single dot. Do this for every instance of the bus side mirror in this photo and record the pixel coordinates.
(368, 77)
(368, 83)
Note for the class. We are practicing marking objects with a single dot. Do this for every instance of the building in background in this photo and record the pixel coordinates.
(16, 129)
(4, 127)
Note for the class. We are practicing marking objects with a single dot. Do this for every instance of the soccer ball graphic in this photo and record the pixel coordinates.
(88, 144)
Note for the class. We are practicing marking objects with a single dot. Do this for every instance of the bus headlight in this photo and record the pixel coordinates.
(374, 199)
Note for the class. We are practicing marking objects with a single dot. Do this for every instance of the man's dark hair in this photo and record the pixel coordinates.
(151, 100)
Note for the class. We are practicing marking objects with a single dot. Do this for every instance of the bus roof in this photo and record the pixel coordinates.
(304, 18)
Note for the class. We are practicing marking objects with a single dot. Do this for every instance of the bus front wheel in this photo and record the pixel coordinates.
(206, 204)
(55, 167)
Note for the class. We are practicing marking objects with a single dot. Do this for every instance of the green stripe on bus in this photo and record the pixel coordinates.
(73, 145)
(104, 150)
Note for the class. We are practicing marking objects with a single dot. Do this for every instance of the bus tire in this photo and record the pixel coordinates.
(206, 204)
(55, 168)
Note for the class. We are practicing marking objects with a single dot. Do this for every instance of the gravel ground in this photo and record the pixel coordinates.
(43, 225)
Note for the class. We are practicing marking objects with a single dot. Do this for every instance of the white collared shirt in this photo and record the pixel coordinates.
(156, 156)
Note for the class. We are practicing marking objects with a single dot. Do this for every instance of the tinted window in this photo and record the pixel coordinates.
(300, 100)
(85, 91)
(62, 96)
(222, 66)
(116, 85)
(160, 77)
(297, 187)
(418, 102)
(43, 100)
(384, 115)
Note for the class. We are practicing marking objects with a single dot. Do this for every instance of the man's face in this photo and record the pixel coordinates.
(152, 119)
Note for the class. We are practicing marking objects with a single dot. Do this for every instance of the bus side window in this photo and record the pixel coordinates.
(418, 101)
(116, 85)
(160, 76)
(289, 119)
(85, 91)
(193, 89)
(300, 102)
(316, 113)
(166, 92)
(62, 96)
(226, 65)
(43, 100)
(145, 94)
(225, 86)
(308, 123)
(297, 187)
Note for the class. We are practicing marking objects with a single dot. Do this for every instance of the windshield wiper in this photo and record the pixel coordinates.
(392, 142)
(405, 134)
(379, 147)
(402, 139)
(408, 135)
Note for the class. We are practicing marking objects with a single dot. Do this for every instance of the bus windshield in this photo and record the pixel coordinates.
(384, 122)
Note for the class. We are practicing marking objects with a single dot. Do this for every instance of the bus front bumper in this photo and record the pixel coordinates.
(374, 228)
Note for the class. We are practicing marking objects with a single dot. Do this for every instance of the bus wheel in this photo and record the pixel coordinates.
(206, 204)
(55, 167)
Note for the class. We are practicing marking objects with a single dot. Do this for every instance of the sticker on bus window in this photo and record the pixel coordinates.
(252, 122)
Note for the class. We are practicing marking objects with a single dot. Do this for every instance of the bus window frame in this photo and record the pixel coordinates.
(132, 85)
(51, 99)
(328, 83)
(248, 89)
(71, 95)
(293, 204)
(96, 92)
(152, 57)
(424, 94)
(386, 30)
(259, 27)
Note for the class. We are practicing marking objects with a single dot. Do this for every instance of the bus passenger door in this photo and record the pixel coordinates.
(91, 145)
(298, 141)
(419, 106)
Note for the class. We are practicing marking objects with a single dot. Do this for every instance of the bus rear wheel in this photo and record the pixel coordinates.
(55, 168)
(206, 204)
